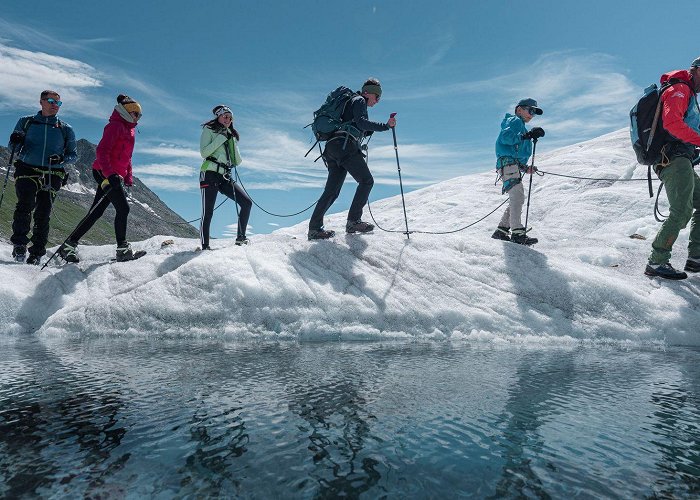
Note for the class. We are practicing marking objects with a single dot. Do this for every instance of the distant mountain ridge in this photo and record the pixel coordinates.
(149, 216)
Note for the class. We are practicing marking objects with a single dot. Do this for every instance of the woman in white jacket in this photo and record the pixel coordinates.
(218, 146)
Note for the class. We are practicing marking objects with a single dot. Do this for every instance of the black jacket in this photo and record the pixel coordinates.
(356, 114)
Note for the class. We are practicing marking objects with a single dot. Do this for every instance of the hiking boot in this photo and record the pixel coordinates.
(320, 234)
(665, 271)
(68, 252)
(241, 241)
(692, 265)
(520, 237)
(358, 226)
(33, 259)
(124, 252)
(19, 253)
(501, 233)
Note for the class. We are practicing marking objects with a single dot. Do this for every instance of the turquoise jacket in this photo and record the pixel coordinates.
(510, 142)
(214, 144)
(46, 136)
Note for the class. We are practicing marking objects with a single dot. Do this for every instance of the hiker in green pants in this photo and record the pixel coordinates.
(681, 124)
(682, 186)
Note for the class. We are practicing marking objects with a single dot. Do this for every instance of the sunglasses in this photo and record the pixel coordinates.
(136, 114)
(51, 100)
(531, 111)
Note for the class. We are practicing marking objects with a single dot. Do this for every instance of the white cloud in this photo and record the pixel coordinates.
(170, 151)
(566, 84)
(26, 73)
(442, 44)
(166, 169)
(231, 230)
(162, 98)
(169, 184)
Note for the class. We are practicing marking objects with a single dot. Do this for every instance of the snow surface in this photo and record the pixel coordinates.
(582, 283)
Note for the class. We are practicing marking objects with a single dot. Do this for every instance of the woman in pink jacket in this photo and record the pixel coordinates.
(112, 171)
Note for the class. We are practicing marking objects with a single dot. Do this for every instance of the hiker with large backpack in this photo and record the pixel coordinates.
(346, 122)
(112, 172)
(44, 146)
(218, 145)
(513, 148)
(678, 132)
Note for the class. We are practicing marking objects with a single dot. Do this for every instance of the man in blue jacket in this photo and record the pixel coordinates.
(343, 155)
(513, 148)
(45, 145)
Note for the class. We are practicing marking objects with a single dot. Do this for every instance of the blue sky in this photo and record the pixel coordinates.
(449, 69)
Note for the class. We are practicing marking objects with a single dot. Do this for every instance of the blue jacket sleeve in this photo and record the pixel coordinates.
(512, 133)
(70, 148)
(18, 128)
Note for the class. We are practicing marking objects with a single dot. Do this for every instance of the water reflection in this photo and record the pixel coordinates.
(51, 415)
(539, 380)
(675, 424)
(333, 408)
(181, 418)
(220, 438)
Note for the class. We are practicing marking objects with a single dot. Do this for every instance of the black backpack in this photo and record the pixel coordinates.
(646, 124)
(646, 129)
(328, 119)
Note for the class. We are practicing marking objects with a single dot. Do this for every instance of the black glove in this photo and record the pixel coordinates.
(115, 180)
(17, 138)
(55, 159)
(535, 133)
(64, 181)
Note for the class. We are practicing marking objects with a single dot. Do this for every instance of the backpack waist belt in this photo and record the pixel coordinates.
(348, 130)
(38, 171)
(504, 161)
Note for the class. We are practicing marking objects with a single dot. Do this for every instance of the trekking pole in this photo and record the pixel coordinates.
(233, 185)
(398, 166)
(9, 165)
(529, 188)
(92, 209)
(235, 201)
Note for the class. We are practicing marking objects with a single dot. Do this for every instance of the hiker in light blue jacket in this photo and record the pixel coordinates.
(513, 149)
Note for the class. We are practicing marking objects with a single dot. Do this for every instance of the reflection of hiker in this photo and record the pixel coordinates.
(112, 171)
(218, 145)
(681, 121)
(45, 146)
(513, 148)
(343, 155)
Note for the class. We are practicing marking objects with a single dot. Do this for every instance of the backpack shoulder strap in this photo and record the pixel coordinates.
(673, 81)
(27, 122)
(347, 102)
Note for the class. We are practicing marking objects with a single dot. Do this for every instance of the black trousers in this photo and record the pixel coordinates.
(210, 184)
(114, 195)
(340, 162)
(35, 197)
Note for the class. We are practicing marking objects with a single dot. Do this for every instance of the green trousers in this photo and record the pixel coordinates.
(682, 186)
